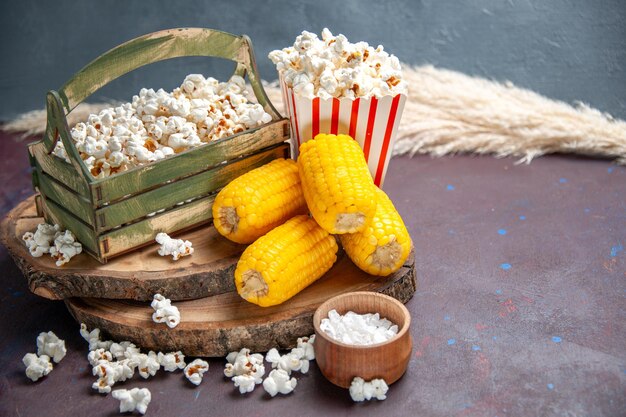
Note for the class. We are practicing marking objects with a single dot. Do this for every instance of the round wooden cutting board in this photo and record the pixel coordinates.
(137, 275)
(115, 297)
(217, 325)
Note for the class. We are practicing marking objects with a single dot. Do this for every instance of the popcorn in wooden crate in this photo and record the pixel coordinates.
(158, 124)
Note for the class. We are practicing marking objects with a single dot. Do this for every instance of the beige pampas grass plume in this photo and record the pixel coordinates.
(449, 112)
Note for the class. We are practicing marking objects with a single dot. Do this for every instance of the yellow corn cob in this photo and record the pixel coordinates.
(383, 246)
(285, 261)
(259, 200)
(337, 184)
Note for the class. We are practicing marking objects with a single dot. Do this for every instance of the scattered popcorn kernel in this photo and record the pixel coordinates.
(40, 242)
(106, 378)
(95, 357)
(147, 364)
(290, 362)
(65, 248)
(62, 246)
(36, 366)
(195, 370)
(49, 344)
(93, 338)
(136, 399)
(175, 247)
(278, 381)
(172, 361)
(245, 370)
(306, 344)
(164, 311)
(365, 391)
(124, 350)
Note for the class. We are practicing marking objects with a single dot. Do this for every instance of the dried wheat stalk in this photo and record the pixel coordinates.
(448, 112)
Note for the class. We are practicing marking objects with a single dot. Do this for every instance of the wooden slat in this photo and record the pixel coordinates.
(58, 215)
(74, 203)
(148, 49)
(58, 169)
(121, 240)
(194, 186)
(189, 162)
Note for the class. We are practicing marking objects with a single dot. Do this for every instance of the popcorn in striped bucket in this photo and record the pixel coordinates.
(330, 85)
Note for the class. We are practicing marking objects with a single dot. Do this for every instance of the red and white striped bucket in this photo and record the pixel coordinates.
(373, 122)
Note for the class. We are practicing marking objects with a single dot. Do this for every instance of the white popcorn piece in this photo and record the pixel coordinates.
(65, 248)
(195, 370)
(111, 372)
(158, 124)
(242, 362)
(246, 383)
(136, 399)
(95, 357)
(93, 338)
(40, 242)
(175, 247)
(36, 366)
(164, 311)
(50, 345)
(255, 358)
(290, 362)
(124, 350)
(358, 329)
(306, 344)
(106, 379)
(365, 391)
(172, 361)
(147, 364)
(334, 67)
(278, 381)
(245, 370)
(123, 369)
(49, 239)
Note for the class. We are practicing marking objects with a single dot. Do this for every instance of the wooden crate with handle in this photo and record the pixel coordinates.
(114, 215)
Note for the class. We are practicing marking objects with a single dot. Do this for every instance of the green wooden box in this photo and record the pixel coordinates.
(116, 214)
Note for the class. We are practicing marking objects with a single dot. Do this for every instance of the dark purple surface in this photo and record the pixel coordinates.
(546, 336)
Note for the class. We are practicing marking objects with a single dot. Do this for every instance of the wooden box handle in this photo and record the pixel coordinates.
(144, 50)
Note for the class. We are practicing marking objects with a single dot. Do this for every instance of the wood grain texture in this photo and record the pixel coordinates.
(57, 168)
(216, 325)
(75, 203)
(137, 275)
(167, 195)
(341, 363)
(147, 49)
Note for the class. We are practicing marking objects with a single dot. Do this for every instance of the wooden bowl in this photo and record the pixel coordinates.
(341, 363)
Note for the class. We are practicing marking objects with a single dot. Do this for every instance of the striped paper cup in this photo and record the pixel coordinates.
(373, 122)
